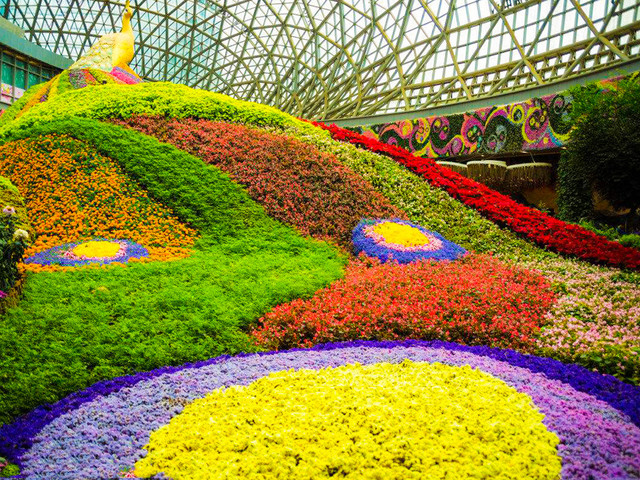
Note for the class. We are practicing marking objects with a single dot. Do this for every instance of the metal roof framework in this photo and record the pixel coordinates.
(326, 59)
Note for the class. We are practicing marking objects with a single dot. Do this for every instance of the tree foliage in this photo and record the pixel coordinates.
(603, 151)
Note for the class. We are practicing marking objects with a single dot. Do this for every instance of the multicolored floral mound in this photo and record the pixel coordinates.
(533, 224)
(402, 241)
(72, 193)
(104, 429)
(296, 182)
(407, 420)
(476, 300)
(100, 250)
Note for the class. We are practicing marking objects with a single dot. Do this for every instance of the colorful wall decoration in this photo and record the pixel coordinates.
(535, 124)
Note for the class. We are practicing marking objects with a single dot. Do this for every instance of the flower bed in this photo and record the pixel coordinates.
(604, 333)
(103, 430)
(101, 251)
(294, 181)
(476, 300)
(72, 193)
(532, 224)
(83, 325)
(375, 421)
(15, 236)
(402, 241)
(595, 320)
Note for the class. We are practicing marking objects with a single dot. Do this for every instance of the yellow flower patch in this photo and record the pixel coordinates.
(97, 249)
(401, 234)
(382, 421)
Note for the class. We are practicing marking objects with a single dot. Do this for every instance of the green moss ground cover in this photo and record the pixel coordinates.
(74, 328)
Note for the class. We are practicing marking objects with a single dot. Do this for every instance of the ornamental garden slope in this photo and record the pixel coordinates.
(187, 250)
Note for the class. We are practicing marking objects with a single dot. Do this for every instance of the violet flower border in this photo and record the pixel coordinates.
(49, 256)
(367, 245)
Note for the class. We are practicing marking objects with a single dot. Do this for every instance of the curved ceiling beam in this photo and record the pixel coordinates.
(341, 58)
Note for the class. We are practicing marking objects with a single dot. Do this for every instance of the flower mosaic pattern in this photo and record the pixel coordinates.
(93, 251)
(104, 429)
(73, 193)
(402, 241)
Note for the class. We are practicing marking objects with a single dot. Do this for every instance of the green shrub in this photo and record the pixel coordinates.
(630, 240)
(164, 99)
(602, 152)
(604, 230)
(74, 328)
(15, 234)
(575, 198)
(10, 197)
(15, 108)
(8, 470)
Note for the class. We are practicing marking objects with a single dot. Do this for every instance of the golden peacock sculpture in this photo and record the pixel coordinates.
(111, 51)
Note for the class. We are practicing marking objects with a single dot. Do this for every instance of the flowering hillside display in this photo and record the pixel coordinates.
(215, 289)
(531, 223)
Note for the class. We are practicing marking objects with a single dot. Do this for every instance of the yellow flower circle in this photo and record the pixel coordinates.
(381, 421)
(97, 249)
(401, 234)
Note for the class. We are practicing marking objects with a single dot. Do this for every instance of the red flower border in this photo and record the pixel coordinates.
(533, 224)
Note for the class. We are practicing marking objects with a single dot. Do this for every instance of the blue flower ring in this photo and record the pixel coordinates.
(70, 254)
(417, 242)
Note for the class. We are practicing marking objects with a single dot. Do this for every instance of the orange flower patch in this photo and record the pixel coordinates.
(72, 193)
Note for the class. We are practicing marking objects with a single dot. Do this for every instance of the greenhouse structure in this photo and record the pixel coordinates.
(313, 239)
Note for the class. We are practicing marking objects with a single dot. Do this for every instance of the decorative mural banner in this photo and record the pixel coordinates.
(535, 124)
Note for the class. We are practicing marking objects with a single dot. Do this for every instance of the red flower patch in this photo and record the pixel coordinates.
(533, 224)
(477, 300)
(294, 181)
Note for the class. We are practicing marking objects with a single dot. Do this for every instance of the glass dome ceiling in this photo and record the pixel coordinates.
(343, 58)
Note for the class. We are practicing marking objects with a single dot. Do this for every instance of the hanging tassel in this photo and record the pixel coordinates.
(490, 172)
(460, 168)
(526, 176)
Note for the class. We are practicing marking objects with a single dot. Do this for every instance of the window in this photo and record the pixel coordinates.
(19, 74)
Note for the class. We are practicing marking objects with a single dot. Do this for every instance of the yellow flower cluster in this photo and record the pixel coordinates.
(97, 249)
(401, 234)
(381, 421)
